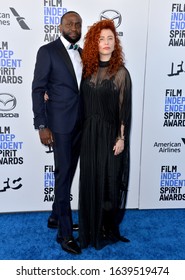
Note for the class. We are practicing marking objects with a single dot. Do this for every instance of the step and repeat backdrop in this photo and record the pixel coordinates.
(153, 39)
(162, 182)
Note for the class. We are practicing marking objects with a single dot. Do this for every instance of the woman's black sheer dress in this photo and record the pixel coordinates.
(103, 176)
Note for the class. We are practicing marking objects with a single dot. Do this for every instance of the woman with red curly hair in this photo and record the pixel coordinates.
(104, 159)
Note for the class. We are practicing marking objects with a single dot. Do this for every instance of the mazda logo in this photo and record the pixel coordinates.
(7, 102)
(113, 15)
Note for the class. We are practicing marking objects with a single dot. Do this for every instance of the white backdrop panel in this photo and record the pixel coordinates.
(162, 165)
(26, 182)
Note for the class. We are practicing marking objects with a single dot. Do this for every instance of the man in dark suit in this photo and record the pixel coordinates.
(58, 72)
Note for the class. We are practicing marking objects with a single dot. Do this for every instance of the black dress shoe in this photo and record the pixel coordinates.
(120, 237)
(69, 245)
(115, 236)
(75, 227)
(53, 223)
(123, 239)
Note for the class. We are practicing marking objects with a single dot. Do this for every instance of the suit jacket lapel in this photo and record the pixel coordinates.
(80, 51)
(66, 58)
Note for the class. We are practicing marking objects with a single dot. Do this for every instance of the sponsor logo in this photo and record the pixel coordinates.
(172, 184)
(20, 19)
(113, 15)
(7, 102)
(11, 184)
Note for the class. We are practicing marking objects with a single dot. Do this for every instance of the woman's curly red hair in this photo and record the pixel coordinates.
(90, 54)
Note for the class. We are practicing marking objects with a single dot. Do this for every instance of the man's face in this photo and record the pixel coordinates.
(71, 28)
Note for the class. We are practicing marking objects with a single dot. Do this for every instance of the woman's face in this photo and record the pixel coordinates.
(106, 44)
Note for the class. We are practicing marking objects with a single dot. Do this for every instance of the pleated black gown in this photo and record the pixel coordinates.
(103, 176)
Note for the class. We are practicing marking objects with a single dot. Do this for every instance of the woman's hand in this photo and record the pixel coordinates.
(46, 97)
(119, 146)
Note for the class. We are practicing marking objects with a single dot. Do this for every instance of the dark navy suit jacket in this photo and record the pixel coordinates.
(55, 74)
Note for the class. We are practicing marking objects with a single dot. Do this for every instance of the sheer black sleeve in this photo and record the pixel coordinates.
(124, 85)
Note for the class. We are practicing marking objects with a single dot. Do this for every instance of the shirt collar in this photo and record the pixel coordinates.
(65, 42)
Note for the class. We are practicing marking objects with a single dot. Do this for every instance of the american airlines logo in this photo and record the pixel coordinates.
(20, 19)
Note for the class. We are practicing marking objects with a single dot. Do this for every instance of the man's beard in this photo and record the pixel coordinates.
(71, 40)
